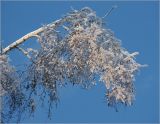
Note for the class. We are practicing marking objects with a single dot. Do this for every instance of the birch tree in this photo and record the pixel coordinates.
(81, 51)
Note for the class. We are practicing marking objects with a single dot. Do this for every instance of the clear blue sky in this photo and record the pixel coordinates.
(134, 23)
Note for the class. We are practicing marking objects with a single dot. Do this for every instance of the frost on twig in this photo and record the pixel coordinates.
(87, 50)
(13, 98)
(10, 93)
(8, 77)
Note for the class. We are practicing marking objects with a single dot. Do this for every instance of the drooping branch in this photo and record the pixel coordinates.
(30, 35)
(83, 53)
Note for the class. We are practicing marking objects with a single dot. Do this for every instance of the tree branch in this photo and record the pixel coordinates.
(29, 35)
(24, 52)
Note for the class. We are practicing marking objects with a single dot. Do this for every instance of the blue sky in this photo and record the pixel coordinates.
(134, 23)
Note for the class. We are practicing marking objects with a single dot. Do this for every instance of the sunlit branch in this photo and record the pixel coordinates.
(30, 35)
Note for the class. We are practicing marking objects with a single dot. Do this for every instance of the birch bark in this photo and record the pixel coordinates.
(30, 35)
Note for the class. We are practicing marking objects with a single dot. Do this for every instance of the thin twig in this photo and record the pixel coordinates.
(24, 52)
(107, 14)
(66, 28)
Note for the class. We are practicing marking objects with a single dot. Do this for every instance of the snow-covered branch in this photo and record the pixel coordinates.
(83, 52)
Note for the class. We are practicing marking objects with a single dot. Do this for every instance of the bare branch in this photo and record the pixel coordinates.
(107, 14)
